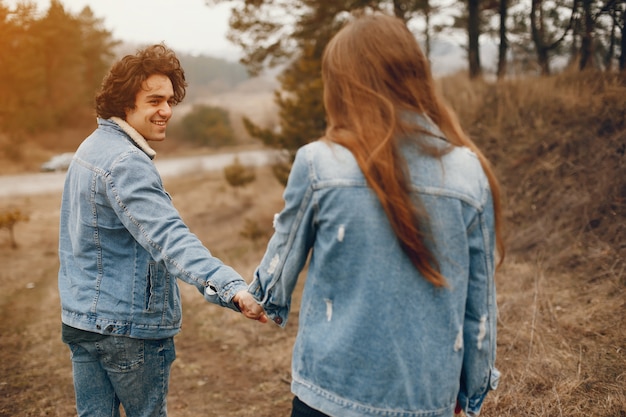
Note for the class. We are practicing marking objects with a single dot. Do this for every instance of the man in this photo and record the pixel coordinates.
(123, 245)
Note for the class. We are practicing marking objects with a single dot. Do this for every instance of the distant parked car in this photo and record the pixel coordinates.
(58, 162)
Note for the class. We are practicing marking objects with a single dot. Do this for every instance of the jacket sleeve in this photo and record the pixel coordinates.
(479, 374)
(136, 193)
(287, 250)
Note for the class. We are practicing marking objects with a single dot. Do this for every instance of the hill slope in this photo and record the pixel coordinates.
(559, 146)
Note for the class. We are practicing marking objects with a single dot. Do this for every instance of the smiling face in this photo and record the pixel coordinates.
(153, 107)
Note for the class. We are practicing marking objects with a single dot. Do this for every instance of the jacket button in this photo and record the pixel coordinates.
(278, 320)
(109, 328)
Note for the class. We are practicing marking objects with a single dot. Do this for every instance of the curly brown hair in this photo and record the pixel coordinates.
(121, 85)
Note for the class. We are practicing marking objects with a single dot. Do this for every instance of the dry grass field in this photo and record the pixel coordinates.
(559, 147)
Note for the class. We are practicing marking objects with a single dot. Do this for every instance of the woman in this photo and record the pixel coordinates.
(399, 212)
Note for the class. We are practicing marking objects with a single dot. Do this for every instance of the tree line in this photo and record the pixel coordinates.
(588, 34)
(53, 62)
(51, 65)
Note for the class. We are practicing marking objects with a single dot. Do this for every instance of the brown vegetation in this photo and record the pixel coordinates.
(8, 219)
(238, 175)
(558, 145)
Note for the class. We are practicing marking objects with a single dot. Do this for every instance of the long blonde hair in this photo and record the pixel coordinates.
(373, 71)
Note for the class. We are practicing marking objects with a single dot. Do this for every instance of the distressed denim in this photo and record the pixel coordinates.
(120, 370)
(123, 245)
(374, 337)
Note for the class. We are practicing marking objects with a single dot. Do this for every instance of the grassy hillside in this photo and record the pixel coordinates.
(558, 145)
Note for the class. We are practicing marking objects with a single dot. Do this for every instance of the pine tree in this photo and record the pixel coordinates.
(294, 34)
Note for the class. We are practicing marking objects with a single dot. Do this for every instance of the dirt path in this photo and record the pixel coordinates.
(226, 365)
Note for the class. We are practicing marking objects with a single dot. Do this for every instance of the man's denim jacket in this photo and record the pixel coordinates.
(374, 337)
(123, 244)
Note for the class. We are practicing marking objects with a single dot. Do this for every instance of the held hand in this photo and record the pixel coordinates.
(249, 307)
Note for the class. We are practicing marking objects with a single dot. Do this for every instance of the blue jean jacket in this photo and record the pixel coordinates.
(374, 337)
(122, 244)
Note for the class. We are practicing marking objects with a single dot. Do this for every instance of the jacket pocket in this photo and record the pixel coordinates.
(151, 297)
(121, 354)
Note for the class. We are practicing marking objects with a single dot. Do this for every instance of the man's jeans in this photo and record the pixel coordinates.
(116, 369)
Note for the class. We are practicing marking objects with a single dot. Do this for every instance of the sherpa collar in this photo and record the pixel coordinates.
(135, 136)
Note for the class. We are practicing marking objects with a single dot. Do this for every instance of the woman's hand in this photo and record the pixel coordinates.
(249, 307)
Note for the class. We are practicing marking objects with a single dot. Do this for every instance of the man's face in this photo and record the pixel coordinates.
(153, 107)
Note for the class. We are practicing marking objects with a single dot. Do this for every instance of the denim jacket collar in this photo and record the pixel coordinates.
(136, 137)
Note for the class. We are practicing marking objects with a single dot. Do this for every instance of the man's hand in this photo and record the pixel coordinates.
(249, 307)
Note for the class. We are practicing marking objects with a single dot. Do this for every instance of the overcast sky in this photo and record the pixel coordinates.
(184, 25)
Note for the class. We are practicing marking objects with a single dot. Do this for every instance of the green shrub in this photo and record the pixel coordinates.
(206, 126)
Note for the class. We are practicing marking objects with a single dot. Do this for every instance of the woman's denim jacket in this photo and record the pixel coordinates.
(123, 244)
(374, 337)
